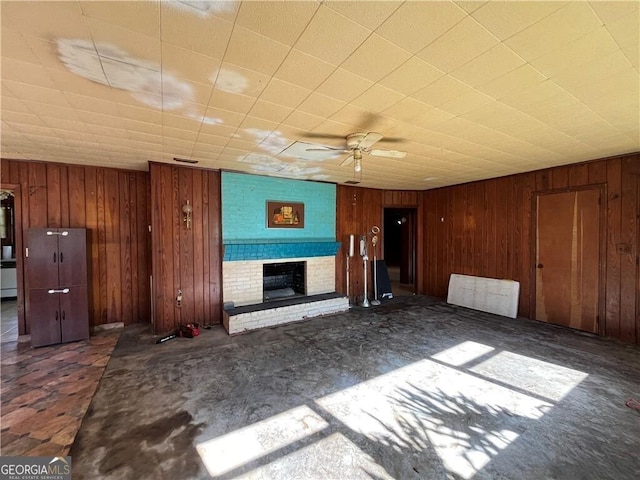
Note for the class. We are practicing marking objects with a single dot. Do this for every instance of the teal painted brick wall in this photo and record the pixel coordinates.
(244, 205)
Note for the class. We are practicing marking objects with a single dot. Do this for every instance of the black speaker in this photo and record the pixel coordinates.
(382, 280)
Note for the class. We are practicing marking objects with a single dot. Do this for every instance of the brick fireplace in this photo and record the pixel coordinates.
(243, 283)
(250, 242)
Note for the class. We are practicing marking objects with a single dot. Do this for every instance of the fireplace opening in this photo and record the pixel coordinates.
(282, 280)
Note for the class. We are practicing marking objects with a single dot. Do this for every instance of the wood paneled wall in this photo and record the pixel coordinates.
(357, 210)
(186, 260)
(113, 205)
(484, 228)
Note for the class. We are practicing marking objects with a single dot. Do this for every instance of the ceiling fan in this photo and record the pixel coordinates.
(359, 143)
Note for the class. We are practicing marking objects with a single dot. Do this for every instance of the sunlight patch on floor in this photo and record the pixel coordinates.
(462, 353)
(427, 406)
(464, 417)
(227, 452)
(536, 376)
(334, 456)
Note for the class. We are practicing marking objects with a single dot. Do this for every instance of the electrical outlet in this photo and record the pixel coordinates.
(179, 299)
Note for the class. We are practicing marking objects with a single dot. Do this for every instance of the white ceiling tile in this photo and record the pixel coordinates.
(320, 105)
(569, 23)
(492, 64)
(375, 58)
(12, 104)
(34, 93)
(415, 25)
(304, 70)
(280, 21)
(234, 79)
(512, 82)
(358, 117)
(331, 37)
(370, 17)
(585, 79)
(188, 64)
(303, 121)
(441, 91)
(611, 11)
(180, 122)
(504, 18)
(227, 118)
(140, 114)
(431, 118)
(464, 42)
(27, 73)
(586, 49)
(411, 76)
(142, 17)
(250, 50)
(470, 6)
(124, 45)
(344, 85)
(284, 93)
(234, 102)
(16, 47)
(378, 98)
(208, 35)
(406, 109)
(45, 19)
(270, 111)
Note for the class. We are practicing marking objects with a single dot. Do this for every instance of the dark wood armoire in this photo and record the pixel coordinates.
(57, 302)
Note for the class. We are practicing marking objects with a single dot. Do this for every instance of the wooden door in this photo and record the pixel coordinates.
(567, 260)
(408, 249)
(44, 314)
(42, 262)
(74, 321)
(72, 256)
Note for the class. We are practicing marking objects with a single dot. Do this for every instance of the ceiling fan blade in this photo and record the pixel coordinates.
(369, 139)
(347, 161)
(323, 135)
(388, 153)
(393, 139)
(327, 149)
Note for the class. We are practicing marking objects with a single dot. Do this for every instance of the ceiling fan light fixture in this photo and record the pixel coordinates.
(358, 165)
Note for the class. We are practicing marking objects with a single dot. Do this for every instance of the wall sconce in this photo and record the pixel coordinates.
(187, 209)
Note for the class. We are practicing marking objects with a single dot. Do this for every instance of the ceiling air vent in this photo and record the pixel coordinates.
(185, 160)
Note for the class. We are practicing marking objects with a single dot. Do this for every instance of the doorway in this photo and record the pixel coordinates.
(568, 249)
(400, 249)
(8, 266)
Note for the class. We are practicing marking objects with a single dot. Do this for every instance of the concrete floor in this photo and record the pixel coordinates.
(412, 389)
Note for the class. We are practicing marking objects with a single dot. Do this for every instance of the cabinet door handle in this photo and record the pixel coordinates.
(58, 290)
(63, 315)
(61, 257)
(54, 257)
(56, 315)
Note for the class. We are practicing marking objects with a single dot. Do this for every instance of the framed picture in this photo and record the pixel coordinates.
(285, 214)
